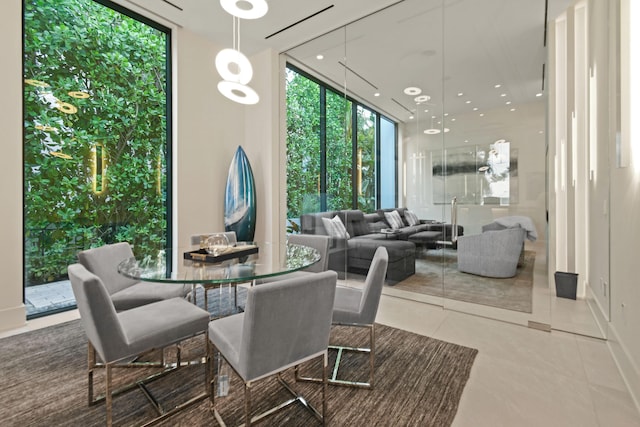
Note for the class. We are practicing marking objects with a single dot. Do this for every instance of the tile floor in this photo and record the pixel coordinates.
(521, 376)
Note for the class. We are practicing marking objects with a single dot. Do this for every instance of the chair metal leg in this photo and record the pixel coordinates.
(91, 364)
(325, 382)
(108, 394)
(333, 379)
(296, 398)
(247, 404)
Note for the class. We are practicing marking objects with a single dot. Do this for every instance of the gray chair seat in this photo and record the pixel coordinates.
(143, 293)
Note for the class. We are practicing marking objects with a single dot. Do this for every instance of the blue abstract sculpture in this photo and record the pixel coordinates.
(240, 198)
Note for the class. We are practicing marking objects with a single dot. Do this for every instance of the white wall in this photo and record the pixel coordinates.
(12, 312)
(612, 190)
(625, 235)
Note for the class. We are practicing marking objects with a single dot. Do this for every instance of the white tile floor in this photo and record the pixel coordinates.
(521, 376)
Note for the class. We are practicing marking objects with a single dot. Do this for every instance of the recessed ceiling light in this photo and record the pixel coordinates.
(460, 93)
(422, 98)
(508, 102)
(539, 94)
(426, 111)
(497, 86)
(503, 95)
(467, 102)
(412, 90)
(446, 114)
(410, 117)
(432, 131)
(433, 117)
(481, 114)
(320, 57)
(446, 130)
(376, 94)
(475, 108)
(453, 119)
(513, 109)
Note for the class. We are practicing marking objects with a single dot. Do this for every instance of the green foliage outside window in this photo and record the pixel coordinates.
(95, 133)
(346, 170)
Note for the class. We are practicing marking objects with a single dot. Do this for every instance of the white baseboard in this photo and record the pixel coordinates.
(12, 318)
(626, 365)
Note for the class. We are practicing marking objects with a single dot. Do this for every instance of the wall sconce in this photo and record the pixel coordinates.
(232, 65)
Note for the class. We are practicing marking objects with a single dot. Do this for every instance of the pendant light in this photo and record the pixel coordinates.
(232, 65)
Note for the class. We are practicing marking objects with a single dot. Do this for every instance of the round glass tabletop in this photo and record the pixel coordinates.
(243, 262)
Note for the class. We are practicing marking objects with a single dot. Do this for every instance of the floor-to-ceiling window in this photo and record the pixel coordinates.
(96, 138)
(339, 152)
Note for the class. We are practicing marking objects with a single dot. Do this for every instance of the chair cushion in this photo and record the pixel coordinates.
(346, 306)
(335, 227)
(394, 220)
(161, 323)
(143, 293)
(412, 218)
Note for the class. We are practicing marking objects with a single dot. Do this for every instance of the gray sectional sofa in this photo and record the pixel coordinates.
(354, 254)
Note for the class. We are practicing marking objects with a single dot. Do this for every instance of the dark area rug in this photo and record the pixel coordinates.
(419, 381)
(437, 274)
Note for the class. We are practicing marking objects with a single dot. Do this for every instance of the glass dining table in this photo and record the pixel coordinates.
(196, 267)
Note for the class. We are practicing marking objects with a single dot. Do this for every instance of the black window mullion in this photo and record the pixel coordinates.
(378, 162)
(354, 156)
(323, 148)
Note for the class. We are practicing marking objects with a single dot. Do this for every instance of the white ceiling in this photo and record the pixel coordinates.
(442, 46)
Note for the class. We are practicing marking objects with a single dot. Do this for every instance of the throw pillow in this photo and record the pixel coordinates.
(342, 230)
(412, 219)
(335, 227)
(394, 220)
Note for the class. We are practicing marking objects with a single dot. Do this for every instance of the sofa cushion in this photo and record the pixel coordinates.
(354, 222)
(335, 227)
(394, 220)
(377, 226)
(412, 218)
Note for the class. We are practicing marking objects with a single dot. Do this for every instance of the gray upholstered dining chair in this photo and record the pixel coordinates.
(317, 242)
(126, 293)
(118, 337)
(357, 307)
(284, 324)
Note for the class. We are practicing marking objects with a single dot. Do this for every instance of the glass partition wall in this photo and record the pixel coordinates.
(465, 87)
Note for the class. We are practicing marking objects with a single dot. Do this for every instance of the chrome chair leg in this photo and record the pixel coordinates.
(333, 379)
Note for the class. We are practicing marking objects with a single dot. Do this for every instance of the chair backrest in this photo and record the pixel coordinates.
(317, 242)
(286, 322)
(373, 286)
(231, 236)
(97, 313)
(103, 262)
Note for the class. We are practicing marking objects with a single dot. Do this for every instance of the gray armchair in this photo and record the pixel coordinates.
(258, 344)
(126, 293)
(118, 338)
(494, 253)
